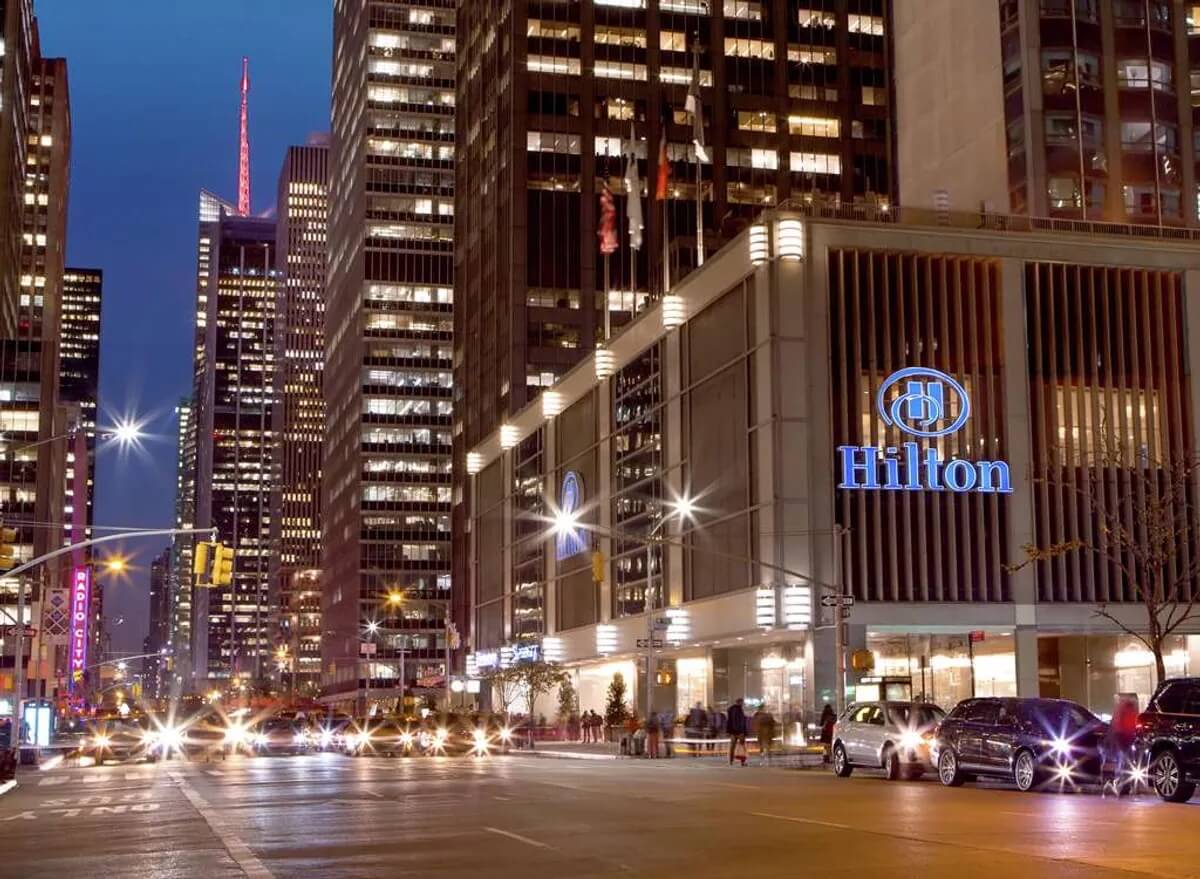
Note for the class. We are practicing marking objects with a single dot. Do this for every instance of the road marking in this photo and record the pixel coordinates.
(803, 820)
(505, 799)
(734, 784)
(215, 773)
(518, 837)
(51, 782)
(251, 866)
(373, 793)
(7, 786)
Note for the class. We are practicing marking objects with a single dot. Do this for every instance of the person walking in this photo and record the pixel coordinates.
(652, 733)
(1118, 746)
(736, 725)
(828, 719)
(695, 727)
(764, 729)
(716, 726)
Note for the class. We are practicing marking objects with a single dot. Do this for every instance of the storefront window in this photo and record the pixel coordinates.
(691, 684)
(945, 669)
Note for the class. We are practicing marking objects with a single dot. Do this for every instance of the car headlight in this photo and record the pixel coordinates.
(911, 739)
(439, 737)
(260, 739)
(1059, 746)
(506, 734)
(326, 737)
(170, 737)
(406, 739)
(300, 738)
(235, 735)
(101, 741)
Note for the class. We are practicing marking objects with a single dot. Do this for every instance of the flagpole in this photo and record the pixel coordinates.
(697, 108)
(699, 214)
(607, 299)
(666, 254)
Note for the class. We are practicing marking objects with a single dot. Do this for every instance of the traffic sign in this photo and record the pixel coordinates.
(367, 648)
(837, 601)
(11, 631)
(643, 643)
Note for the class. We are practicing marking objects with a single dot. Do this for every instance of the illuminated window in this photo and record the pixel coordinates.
(812, 126)
(551, 64)
(616, 70)
(815, 163)
(743, 47)
(865, 24)
(621, 36)
(756, 120)
(815, 18)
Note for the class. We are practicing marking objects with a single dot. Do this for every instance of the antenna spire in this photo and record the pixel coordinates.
(244, 145)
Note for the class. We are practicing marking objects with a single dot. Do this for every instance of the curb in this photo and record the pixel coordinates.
(6, 786)
(564, 755)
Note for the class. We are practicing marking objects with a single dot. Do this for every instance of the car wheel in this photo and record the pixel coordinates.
(892, 765)
(948, 771)
(1025, 773)
(1168, 778)
(841, 763)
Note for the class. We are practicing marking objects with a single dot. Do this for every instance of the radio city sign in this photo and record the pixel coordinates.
(81, 596)
(925, 404)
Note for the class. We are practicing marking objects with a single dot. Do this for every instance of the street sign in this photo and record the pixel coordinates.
(662, 624)
(11, 631)
(367, 648)
(837, 601)
(976, 636)
(643, 643)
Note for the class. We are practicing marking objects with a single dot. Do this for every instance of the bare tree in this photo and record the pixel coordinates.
(507, 687)
(1139, 517)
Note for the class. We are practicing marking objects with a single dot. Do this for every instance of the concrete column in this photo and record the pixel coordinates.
(602, 492)
(823, 662)
(506, 465)
(1026, 647)
(1191, 306)
(672, 382)
(550, 494)
(1020, 433)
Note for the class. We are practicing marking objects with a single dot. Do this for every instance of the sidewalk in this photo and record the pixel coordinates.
(791, 758)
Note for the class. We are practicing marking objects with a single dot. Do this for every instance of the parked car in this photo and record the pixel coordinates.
(384, 737)
(1029, 741)
(1167, 743)
(328, 732)
(893, 736)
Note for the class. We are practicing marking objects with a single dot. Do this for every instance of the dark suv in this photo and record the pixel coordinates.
(1168, 739)
(1029, 741)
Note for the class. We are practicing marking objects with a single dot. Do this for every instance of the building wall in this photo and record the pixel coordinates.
(388, 323)
(795, 106)
(300, 253)
(234, 411)
(16, 17)
(949, 87)
(778, 370)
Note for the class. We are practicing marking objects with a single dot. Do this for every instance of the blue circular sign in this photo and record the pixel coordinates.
(923, 406)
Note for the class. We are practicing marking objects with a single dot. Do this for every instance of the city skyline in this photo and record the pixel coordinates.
(152, 153)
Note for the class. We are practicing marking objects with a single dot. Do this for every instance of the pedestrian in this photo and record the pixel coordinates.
(695, 727)
(764, 729)
(666, 725)
(736, 725)
(1118, 745)
(828, 719)
(652, 734)
(597, 727)
(716, 726)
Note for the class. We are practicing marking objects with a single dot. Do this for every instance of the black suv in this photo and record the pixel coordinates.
(1029, 741)
(1168, 739)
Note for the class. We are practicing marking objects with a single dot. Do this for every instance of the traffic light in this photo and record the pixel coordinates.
(8, 554)
(222, 567)
(598, 561)
(200, 559)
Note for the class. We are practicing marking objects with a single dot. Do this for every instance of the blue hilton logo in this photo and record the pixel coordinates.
(924, 403)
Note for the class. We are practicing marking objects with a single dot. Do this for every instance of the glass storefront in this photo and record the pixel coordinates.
(945, 669)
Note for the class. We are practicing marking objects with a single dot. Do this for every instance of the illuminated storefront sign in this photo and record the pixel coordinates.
(527, 652)
(927, 404)
(81, 596)
(570, 541)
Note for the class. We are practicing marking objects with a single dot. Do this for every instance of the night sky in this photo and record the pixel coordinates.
(154, 108)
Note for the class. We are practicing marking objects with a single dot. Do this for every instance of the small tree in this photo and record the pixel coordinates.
(615, 710)
(536, 678)
(507, 687)
(1139, 519)
(568, 702)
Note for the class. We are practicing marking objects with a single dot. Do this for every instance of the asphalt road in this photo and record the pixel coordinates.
(334, 817)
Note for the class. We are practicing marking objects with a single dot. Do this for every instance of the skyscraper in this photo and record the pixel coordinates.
(79, 378)
(302, 212)
(154, 667)
(16, 18)
(790, 102)
(234, 436)
(388, 324)
(182, 550)
(1078, 109)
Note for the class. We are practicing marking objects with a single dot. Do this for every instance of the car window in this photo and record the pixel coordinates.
(928, 715)
(862, 714)
(876, 716)
(1170, 700)
(898, 714)
(982, 712)
(1191, 699)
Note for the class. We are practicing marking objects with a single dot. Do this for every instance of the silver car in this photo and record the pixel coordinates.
(892, 736)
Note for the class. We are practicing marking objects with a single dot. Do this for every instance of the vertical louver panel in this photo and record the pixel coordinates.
(890, 311)
(1111, 416)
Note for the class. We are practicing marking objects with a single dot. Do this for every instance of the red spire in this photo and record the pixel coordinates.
(244, 145)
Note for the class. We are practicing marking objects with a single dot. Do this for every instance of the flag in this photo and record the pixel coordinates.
(633, 188)
(607, 230)
(664, 167)
(696, 107)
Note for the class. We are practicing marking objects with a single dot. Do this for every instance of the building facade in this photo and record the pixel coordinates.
(385, 569)
(552, 98)
(155, 668)
(1097, 101)
(889, 412)
(233, 426)
(300, 253)
(79, 384)
(16, 17)
(183, 551)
